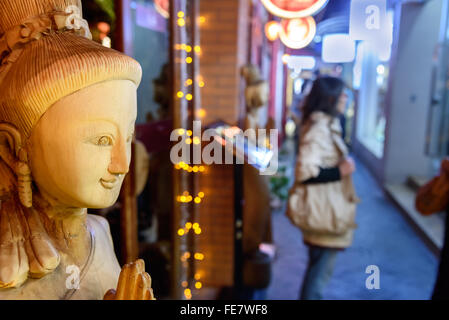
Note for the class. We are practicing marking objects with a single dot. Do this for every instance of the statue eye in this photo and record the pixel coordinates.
(104, 141)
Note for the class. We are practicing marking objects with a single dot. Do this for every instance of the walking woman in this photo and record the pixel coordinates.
(322, 202)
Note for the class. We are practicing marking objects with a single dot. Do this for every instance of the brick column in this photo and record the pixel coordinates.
(224, 43)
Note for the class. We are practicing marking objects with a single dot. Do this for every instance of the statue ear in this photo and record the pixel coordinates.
(14, 170)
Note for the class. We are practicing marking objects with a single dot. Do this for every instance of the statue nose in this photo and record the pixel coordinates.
(119, 159)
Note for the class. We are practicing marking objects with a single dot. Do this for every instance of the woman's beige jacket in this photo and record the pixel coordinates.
(325, 212)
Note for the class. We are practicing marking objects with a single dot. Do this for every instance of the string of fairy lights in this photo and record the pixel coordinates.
(189, 228)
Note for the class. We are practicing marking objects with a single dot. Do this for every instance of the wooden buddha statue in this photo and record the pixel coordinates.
(67, 115)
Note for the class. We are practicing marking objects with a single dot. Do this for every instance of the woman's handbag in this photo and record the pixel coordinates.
(324, 208)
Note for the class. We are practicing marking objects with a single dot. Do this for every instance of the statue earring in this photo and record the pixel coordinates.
(23, 173)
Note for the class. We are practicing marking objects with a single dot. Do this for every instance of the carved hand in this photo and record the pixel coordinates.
(133, 284)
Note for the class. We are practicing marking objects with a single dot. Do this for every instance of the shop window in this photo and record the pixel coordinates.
(371, 72)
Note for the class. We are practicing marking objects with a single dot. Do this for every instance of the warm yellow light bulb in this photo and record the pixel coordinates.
(189, 133)
(189, 82)
(198, 230)
(180, 94)
(181, 14)
(196, 140)
(189, 141)
(198, 285)
(197, 276)
(188, 49)
(197, 49)
(184, 284)
(197, 199)
(199, 256)
(201, 84)
(189, 59)
(188, 225)
(181, 232)
(196, 225)
(201, 194)
(202, 168)
(195, 168)
(189, 97)
(181, 22)
(201, 113)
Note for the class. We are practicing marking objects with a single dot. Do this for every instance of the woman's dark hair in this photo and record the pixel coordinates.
(323, 97)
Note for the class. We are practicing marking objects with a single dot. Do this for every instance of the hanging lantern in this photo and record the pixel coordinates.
(290, 9)
(297, 33)
(163, 7)
(272, 29)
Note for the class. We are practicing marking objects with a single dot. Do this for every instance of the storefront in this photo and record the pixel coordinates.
(400, 114)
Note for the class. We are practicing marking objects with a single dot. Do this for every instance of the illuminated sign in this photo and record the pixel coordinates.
(290, 9)
(163, 7)
(272, 29)
(299, 63)
(297, 33)
(338, 48)
(368, 20)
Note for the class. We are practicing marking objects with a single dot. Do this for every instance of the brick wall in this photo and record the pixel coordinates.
(224, 41)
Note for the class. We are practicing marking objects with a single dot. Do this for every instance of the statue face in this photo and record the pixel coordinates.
(80, 149)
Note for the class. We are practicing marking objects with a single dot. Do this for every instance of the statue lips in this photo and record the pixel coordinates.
(109, 184)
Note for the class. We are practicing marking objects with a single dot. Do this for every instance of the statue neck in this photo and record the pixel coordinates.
(67, 228)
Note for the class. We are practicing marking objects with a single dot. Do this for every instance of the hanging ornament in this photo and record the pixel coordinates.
(297, 33)
(290, 9)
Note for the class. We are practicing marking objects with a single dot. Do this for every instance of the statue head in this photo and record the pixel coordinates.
(67, 107)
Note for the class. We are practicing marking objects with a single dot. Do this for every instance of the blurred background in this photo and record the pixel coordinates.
(193, 223)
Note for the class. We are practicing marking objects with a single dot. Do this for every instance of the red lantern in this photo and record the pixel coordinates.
(272, 29)
(297, 33)
(163, 7)
(290, 9)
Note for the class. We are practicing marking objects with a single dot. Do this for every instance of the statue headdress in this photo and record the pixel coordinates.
(46, 54)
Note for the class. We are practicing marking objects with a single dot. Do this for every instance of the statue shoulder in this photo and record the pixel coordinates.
(98, 221)
(100, 226)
